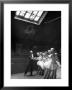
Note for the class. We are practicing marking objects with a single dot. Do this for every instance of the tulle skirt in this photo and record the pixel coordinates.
(50, 74)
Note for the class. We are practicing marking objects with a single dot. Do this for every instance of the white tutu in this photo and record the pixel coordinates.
(47, 64)
(41, 64)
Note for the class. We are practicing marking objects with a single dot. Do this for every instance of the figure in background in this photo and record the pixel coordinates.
(30, 65)
(39, 63)
(51, 65)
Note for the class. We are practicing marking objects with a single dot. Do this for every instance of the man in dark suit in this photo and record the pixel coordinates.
(30, 65)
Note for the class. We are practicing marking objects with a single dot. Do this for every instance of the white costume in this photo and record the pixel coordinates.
(47, 64)
(41, 64)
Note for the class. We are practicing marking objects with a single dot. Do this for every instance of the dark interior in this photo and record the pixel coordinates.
(27, 36)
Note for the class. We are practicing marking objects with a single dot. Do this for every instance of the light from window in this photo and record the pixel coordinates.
(30, 16)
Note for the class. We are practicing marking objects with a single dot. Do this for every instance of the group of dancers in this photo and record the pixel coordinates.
(47, 63)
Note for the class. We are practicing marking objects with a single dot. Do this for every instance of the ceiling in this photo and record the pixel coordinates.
(29, 34)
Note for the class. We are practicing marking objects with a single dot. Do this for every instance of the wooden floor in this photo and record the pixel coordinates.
(35, 76)
(22, 76)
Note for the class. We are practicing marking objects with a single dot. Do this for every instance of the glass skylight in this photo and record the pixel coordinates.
(30, 16)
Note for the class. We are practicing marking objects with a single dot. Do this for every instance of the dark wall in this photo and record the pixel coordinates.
(46, 34)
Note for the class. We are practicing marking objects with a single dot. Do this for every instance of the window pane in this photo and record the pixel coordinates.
(32, 17)
(39, 13)
(36, 18)
(22, 13)
(35, 12)
(17, 13)
(27, 15)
